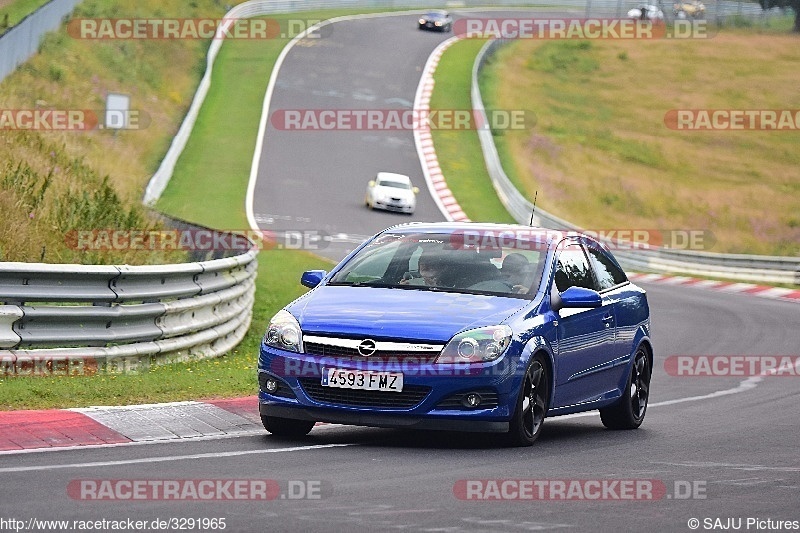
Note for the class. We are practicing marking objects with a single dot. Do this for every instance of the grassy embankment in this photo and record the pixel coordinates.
(601, 154)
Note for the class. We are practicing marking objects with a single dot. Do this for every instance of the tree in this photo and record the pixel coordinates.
(794, 4)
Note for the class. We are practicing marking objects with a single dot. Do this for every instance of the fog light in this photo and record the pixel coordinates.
(473, 399)
(271, 385)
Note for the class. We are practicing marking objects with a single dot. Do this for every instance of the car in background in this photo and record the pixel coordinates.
(391, 192)
(437, 20)
(464, 327)
(646, 12)
(689, 9)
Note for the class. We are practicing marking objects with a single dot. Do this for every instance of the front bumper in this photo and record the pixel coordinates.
(378, 420)
(391, 206)
(431, 26)
(432, 396)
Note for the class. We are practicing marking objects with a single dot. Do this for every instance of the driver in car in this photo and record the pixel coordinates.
(430, 267)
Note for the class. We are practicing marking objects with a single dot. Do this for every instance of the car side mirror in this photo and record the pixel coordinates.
(576, 297)
(312, 278)
(415, 190)
(371, 183)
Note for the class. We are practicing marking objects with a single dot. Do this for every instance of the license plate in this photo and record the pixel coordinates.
(362, 380)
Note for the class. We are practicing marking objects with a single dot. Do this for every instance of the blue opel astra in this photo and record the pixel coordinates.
(463, 327)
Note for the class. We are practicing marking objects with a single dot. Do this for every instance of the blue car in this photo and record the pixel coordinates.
(464, 327)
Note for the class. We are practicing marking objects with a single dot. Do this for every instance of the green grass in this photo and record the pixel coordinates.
(601, 155)
(14, 11)
(210, 180)
(459, 151)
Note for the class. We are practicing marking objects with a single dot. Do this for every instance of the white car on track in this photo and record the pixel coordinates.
(392, 192)
(646, 12)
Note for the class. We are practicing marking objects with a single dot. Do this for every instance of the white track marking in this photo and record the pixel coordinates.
(164, 459)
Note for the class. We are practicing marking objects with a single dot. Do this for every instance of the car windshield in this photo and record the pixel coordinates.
(479, 263)
(394, 184)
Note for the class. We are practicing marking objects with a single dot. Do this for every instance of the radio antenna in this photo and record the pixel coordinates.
(533, 211)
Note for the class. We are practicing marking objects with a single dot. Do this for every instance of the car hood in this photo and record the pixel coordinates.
(401, 314)
(395, 192)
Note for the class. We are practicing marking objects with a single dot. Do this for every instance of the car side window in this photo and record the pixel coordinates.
(608, 274)
(572, 269)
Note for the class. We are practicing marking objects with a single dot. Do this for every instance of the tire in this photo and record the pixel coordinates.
(286, 427)
(629, 411)
(531, 409)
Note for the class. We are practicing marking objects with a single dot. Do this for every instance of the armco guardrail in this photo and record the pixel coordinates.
(733, 266)
(21, 41)
(66, 319)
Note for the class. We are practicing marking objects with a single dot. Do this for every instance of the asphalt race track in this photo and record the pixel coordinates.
(719, 447)
(737, 451)
(316, 180)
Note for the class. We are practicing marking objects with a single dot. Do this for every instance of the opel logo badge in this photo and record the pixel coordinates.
(367, 347)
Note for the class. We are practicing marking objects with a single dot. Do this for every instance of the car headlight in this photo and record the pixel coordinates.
(422, 21)
(284, 333)
(479, 345)
(438, 22)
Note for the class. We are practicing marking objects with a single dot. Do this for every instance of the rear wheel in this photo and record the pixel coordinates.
(286, 427)
(629, 411)
(526, 424)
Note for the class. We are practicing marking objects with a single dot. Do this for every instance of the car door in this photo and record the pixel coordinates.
(630, 304)
(586, 336)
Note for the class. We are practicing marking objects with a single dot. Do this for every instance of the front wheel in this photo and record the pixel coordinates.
(629, 411)
(526, 424)
(286, 427)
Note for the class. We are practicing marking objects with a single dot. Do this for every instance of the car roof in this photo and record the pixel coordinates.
(488, 227)
(393, 177)
(548, 235)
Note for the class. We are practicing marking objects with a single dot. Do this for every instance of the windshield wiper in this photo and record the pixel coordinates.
(382, 285)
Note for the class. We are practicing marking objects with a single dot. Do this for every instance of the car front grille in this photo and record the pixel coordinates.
(332, 347)
(410, 396)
